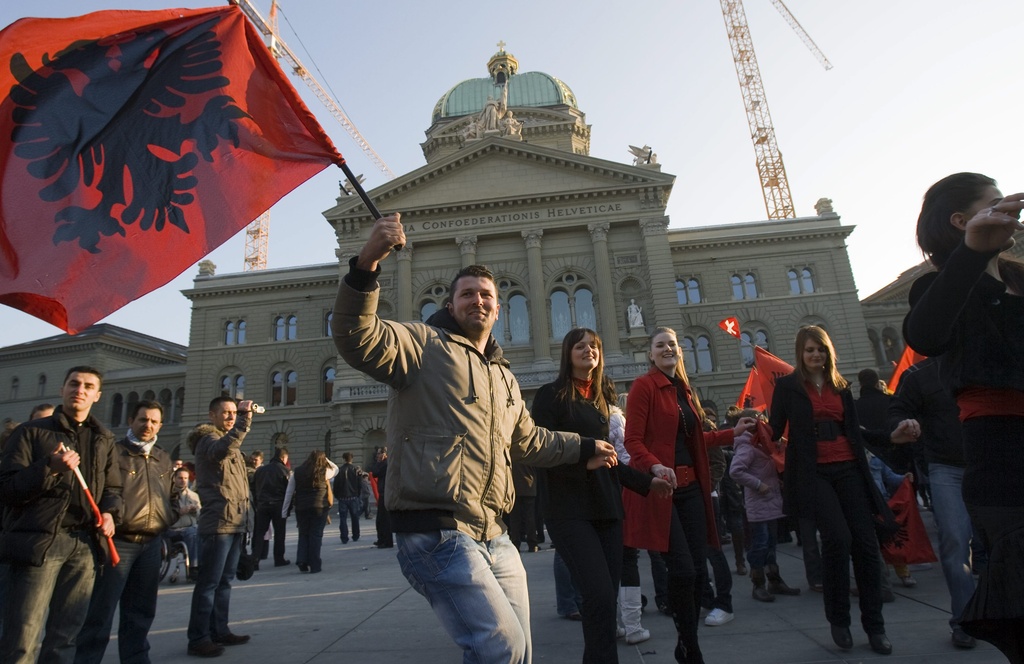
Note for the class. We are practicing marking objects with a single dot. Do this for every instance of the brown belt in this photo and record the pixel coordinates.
(685, 476)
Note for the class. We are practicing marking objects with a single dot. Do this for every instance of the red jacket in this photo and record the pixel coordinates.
(652, 420)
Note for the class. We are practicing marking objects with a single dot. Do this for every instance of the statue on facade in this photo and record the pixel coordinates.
(510, 126)
(635, 315)
(490, 116)
(643, 156)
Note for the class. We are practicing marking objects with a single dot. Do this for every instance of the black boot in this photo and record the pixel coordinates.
(776, 585)
(683, 600)
(760, 593)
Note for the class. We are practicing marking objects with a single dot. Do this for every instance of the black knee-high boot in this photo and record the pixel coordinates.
(684, 599)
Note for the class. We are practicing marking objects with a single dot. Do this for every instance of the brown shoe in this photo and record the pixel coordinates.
(230, 639)
(205, 649)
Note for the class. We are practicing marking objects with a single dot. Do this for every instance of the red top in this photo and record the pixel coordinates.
(976, 401)
(828, 406)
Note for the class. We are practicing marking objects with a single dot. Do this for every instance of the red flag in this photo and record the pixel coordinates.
(909, 357)
(751, 396)
(133, 143)
(769, 369)
(731, 326)
(910, 545)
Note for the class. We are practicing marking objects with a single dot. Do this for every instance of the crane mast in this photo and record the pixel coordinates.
(258, 232)
(774, 184)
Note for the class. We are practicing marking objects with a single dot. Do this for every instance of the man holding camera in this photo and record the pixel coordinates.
(223, 487)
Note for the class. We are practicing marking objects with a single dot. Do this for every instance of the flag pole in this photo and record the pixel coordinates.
(354, 181)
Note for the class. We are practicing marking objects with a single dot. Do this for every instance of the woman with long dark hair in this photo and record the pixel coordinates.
(310, 485)
(664, 437)
(828, 479)
(583, 508)
(970, 314)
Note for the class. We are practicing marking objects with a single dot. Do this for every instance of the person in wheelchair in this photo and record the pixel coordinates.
(186, 528)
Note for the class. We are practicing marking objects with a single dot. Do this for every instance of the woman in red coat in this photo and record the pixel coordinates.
(664, 437)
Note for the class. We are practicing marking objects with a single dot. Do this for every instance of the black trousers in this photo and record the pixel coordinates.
(593, 552)
(267, 515)
(843, 513)
(686, 561)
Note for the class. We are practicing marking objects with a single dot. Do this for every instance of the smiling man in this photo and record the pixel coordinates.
(456, 419)
(146, 492)
(49, 527)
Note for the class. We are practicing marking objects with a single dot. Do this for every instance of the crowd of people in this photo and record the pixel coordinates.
(656, 477)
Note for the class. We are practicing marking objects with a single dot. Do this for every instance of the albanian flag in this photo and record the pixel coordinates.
(760, 386)
(133, 143)
(908, 358)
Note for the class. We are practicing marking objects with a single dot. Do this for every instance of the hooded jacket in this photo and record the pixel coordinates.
(36, 500)
(221, 479)
(456, 418)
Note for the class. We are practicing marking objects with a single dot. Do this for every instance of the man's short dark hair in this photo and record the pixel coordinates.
(42, 406)
(280, 452)
(480, 271)
(217, 401)
(148, 405)
(83, 369)
(347, 456)
(868, 378)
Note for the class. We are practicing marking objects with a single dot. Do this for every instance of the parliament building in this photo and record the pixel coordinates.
(573, 240)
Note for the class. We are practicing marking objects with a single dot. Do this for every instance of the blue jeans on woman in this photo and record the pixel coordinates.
(477, 590)
(954, 526)
(311, 524)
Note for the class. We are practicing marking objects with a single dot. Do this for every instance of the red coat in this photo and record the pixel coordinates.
(652, 421)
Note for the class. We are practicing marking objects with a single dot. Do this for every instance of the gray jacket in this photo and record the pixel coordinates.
(456, 419)
(221, 479)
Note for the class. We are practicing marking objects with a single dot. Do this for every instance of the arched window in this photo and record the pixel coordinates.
(293, 328)
(280, 329)
(179, 404)
(518, 319)
(167, 401)
(149, 395)
(737, 287)
(327, 323)
(750, 287)
(283, 387)
(129, 411)
(232, 384)
(42, 385)
(117, 410)
(280, 439)
(230, 335)
(761, 339)
(241, 331)
(876, 347)
(328, 392)
(747, 349)
(806, 280)
(693, 291)
(585, 316)
(680, 292)
(794, 282)
(704, 357)
(561, 319)
(892, 343)
(427, 310)
(14, 388)
(689, 355)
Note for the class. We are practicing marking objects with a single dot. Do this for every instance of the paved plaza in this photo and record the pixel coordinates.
(360, 609)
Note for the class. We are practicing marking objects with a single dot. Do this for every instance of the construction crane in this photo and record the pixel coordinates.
(778, 200)
(257, 234)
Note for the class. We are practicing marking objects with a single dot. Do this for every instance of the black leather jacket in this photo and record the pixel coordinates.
(146, 492)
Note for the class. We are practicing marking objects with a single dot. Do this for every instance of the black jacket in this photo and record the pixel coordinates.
(792, 406)
(920, 396)
(36, 500)
(146, 492)
(572, 491)
(966, 317)
(269, 484)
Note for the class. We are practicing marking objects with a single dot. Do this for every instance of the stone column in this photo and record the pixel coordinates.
(605, 290)
(403, 282)
(538, 300)
(665, 306)
(467, 246)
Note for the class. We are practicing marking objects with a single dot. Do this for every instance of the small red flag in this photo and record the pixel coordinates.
(133, 143)
(908, 358)
(910, 545)
(731, 326)
(751, 396)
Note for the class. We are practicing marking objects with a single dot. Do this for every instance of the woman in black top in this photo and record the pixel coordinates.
(583, 508)
(970, 315)
(310, 485)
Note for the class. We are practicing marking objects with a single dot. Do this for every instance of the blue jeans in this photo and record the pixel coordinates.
(568, 599)
(477, 589)
(349, 507)
(762, 544)
(955, 532)
(190, 536)
(63, 585)
(212, 595)
(134, 583)
(311, 524)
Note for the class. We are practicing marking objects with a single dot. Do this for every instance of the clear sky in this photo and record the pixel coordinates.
(920, 89)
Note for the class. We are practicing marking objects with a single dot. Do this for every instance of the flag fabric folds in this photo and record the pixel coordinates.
(908, 358)
(910, 545)
(133, 143)
(757, 393)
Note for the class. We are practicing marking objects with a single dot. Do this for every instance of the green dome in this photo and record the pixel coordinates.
(533, 88)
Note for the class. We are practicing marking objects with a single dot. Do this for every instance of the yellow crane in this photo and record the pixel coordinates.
(778, 200)
(257, 234)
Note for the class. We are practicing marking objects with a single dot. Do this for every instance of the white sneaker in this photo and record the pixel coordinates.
(718, 617)
(639, 636)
